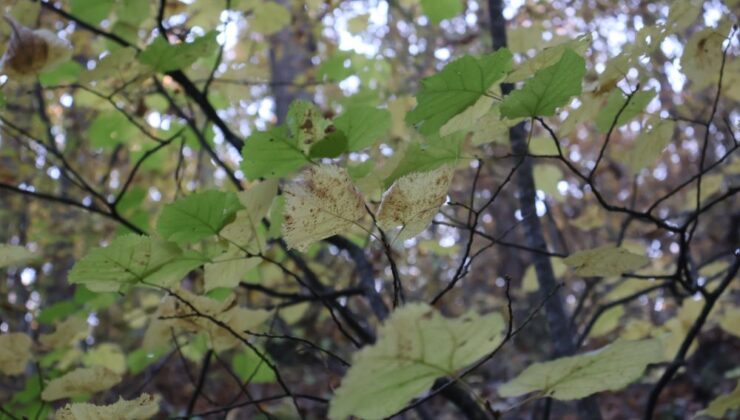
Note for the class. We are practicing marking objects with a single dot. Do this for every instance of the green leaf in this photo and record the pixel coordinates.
(271, 154)
(14, 255)
(720, 405)
(91, 11)
(439, 10)
(415, 346)
(459, 85)
(332, 146)
(548, 57)
(67, 72)
(248, 366)
(197, 216)
(610, 368)
(126, 261)
(550, 88)
(134, 11)
(165, 57)
(614, 104)
(363, 125)
(57, 311)
(111, 128)
(424, 157)
(605, 261)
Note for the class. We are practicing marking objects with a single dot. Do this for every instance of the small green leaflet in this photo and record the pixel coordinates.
(248, 365)
(550, 88)
(610, 368)
(130, 259)
(459, 85)
(439, 10)
(165, 57)
(271, 154)
(605, 261)
(415, 346)
(614, 104)
(14, 255)
(331, 146)
(197, 216)
(423, 157)
(363, 126)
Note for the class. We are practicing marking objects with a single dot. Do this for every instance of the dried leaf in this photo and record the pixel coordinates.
(31, 52)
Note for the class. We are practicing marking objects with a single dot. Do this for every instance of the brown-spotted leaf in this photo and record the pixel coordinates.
(322, 203)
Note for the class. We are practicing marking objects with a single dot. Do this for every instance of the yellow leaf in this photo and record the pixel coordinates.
(81, 381)
(15, 351)
(66, 332)
(605, 261)
(323, 203)
(31, 52)
(413, 200)
(144, 407)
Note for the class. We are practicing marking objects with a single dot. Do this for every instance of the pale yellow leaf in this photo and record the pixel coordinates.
(31, 52)
(67, 332)
(605, 261)
(15, 352)
(107, 355)
(144, 407)
(413, 200)
(82, 381)
(14, 255)
(650, 144)
(322, 203)
(720, 405)
(468, 119)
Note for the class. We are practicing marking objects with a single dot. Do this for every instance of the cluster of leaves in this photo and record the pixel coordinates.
(209, 245)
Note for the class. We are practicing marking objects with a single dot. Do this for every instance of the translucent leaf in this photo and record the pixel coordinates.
(197, 216)
(142, 408)
(439, 10)
(684, 13)
(164, 57)
(427, 156)
(529, 281)
(550, 88)
(614, 104)
(322, 203)
(413, 200)
(605, 261)
(92, 11)
(363, 126)
(14, 255)
(81, 381)
(131, 259)
(415, 346)
(15, 352)
(459, 85)
(67, 332)
(244, 231)
(248, 365)
(271, 154)
(610, 368)
(650, 144)
(548, 57)
(119, 66)
(491, 128)
(467, 120)
(720, 405)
